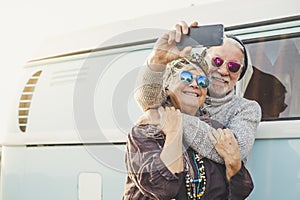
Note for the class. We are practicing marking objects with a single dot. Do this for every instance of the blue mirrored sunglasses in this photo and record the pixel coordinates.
(187, 78)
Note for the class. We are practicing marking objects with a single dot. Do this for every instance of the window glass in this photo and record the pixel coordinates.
(275, 83)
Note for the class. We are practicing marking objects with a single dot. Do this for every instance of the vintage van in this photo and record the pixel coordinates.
(68, 129)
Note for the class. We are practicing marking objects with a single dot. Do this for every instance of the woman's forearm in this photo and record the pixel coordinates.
(171, 153)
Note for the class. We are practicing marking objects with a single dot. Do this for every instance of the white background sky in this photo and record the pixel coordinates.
(26, 23)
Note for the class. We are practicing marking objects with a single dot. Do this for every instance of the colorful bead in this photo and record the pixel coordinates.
(196, 187)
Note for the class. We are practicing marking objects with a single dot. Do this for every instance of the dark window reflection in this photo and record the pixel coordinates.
(268, 91)
(275, 83)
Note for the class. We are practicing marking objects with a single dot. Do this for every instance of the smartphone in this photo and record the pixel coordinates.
(208, 35)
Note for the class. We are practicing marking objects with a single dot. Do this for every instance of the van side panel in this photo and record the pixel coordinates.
(53, 172)
(275, 169)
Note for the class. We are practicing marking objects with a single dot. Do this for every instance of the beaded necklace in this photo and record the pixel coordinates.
(196, 187)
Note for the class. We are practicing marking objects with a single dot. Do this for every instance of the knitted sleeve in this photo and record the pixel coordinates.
(241, 117)
(244, 124)
(195, 135)
(149, 87)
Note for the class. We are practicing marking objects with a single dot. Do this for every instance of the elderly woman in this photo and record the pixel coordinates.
(161, 166)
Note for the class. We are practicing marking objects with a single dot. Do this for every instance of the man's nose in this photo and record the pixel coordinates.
(223, 69)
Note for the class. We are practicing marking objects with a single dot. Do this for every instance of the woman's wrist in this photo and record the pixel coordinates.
(172, 152)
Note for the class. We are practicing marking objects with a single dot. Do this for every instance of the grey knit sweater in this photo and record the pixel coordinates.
(240, 115)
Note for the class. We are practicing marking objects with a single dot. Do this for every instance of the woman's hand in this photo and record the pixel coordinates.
(167, 119)
(170, 120)
(171, 125)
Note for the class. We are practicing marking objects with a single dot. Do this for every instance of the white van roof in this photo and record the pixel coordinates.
(227, 12)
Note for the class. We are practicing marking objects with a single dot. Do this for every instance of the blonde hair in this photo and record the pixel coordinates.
(195, 61)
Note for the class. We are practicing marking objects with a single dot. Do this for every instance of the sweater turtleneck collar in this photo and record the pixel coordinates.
(212, 101)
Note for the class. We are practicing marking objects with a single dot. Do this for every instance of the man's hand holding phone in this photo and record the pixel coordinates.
(166, 50)
(180, 40)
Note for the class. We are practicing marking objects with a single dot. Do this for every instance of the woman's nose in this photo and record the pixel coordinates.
(194, 84)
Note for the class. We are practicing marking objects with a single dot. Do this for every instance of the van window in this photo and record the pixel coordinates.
(275, 83)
